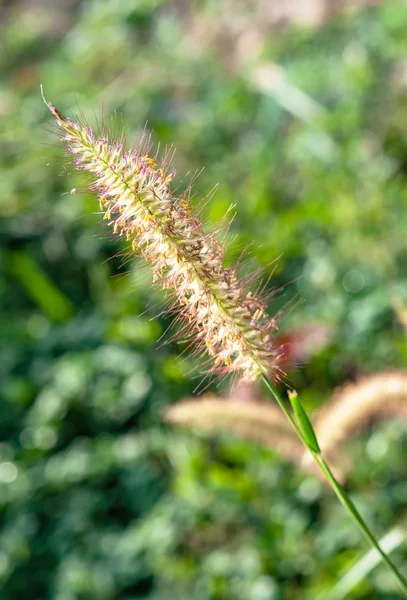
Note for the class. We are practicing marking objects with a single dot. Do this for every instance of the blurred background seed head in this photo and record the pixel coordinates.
(297, 111)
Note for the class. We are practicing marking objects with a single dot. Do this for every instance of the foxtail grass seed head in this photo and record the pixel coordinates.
(217, 309)
(260, 422)
(356, 405)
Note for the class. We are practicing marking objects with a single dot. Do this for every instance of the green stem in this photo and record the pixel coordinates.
(339, 491)
(285, 410)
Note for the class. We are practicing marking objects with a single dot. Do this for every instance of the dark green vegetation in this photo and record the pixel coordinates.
(107, 502)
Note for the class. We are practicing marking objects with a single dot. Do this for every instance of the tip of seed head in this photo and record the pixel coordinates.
(59, 116)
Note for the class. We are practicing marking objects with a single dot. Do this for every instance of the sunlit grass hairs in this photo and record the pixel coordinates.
(217, 309)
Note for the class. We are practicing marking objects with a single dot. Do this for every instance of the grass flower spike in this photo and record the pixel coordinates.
(218, 309)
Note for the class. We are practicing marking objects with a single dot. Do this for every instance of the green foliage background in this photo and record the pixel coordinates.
(98, 498)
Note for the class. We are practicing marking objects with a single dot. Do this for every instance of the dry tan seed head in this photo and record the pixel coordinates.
(218, 310)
